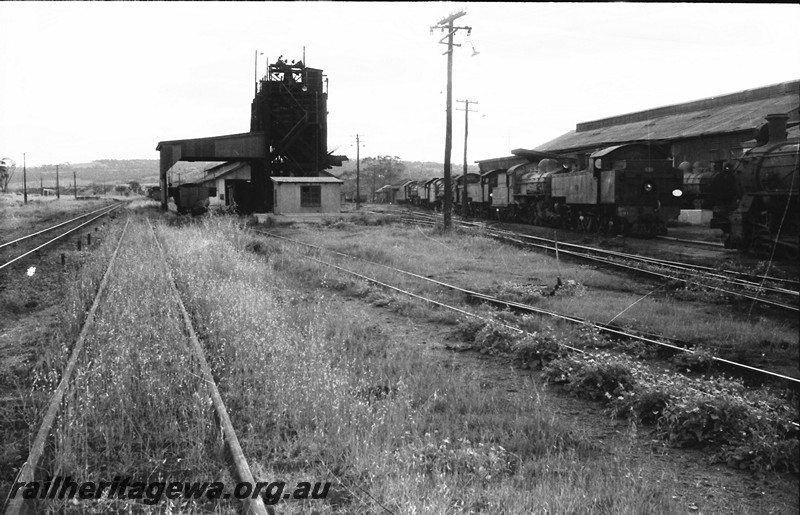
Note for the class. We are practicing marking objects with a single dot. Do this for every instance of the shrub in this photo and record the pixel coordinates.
(467, 329)
(523, 293)
(541, 347)
(494, 337)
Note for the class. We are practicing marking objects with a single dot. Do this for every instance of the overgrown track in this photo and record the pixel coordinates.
(771, 291)
(615, 331)
(238, 464)
(31, 465)
(102, 212)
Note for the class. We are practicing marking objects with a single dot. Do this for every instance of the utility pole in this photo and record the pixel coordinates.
(41, 186)
(58, 190)
(75, 182)
(358, 173)
(466, 133)
(446, 24)
(24, 180)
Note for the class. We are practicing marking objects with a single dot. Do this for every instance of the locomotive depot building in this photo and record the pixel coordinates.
(709, 131)
(704, 133)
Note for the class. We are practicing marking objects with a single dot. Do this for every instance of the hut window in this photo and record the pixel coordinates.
(310, 196)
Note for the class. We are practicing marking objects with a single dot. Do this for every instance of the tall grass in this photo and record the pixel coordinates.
(317, 390)
(136, 406)
(478, 263)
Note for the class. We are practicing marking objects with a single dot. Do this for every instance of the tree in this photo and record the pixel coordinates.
(135, 186)
(7, 168)
(384, 170)
(122, 189)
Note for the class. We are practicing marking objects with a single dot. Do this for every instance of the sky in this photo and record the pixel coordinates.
(95, 80)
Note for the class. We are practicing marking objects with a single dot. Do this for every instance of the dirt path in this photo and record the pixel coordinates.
(697, 484)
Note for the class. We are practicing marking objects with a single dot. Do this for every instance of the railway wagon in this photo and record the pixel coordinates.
(767, 178)
(191, 198)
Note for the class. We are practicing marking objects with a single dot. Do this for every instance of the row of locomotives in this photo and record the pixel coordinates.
(767, 182)
(626, 189)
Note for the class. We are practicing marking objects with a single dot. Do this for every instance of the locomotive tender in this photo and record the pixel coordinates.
(627, 189)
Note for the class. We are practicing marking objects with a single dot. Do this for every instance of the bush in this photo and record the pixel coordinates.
(541, 347)
(494, 337)
(467, 329)
(693, 362)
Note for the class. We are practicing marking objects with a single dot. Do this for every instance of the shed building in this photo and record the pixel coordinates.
(704, 132)
(298, 195)
(229, 185)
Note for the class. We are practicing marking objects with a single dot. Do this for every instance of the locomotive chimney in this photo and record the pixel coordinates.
(777, 127)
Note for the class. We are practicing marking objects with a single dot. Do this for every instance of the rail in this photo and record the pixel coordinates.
(239, 467)
(602, 327)
(53, 240)
(26, 473)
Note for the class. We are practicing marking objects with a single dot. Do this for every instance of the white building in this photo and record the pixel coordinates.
(307, 195)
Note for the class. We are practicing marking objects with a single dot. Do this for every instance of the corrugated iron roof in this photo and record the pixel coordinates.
(744, 111)
(307, 180)
(221, 170)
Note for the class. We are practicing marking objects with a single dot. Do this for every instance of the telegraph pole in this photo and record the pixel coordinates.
(446, 24)
(466, 133)
(24, 180)
(75, 182)
(358, 172)
(58, 190)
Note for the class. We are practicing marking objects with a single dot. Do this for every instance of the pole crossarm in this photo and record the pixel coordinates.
(450, 19)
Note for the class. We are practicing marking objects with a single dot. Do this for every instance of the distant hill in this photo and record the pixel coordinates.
(145, 171)
(109, 171)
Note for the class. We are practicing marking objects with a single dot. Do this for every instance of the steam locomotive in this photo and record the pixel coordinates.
(626, 189)
(766, 181)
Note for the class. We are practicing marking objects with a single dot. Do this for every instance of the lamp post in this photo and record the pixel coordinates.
(446, 24)
(255, 71)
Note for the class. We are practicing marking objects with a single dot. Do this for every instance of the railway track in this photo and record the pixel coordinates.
(614, 331)
(74, 222)
(780, 291)
(64, 395)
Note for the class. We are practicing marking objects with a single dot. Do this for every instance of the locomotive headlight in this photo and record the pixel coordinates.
(647, 187)
(677, 193)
